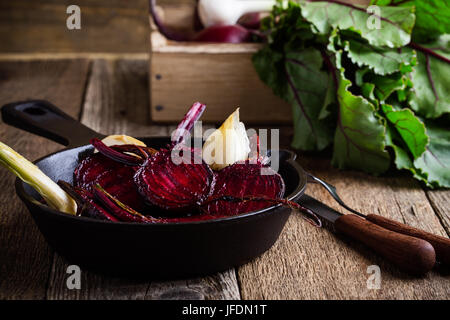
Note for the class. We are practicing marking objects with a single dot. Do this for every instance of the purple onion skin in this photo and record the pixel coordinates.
(223, 34)
(251, 21)
(216, 34)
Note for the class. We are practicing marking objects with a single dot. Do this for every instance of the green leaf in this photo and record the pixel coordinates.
(307, 92)
(396, 23)
(434, 164)
(386, 85)
(382, 61)
(432, 16)
(431, 79)
(402, 159)
(269, 65)
(360, 136)
(410, 128)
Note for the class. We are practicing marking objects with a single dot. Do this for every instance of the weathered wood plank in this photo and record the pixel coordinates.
(25, 258)
(310, 263)
(117, 102)
(106, 26)
(440, 201)
(222, 286)
(231, 81)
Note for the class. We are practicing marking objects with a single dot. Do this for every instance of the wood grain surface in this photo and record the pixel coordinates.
(106, 26)
(25, 258)
(233, 73)
(111, 96)
(310, 263)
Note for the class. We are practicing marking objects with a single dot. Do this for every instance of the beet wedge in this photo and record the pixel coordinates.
(243, 181)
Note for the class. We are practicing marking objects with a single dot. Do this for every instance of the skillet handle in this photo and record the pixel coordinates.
(44, 119)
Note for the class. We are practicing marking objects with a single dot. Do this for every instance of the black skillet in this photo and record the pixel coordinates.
(175, 249)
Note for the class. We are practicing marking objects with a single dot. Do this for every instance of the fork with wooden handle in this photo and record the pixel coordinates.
(440, 244)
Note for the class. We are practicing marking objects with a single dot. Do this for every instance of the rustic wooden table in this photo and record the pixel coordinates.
(111, 96)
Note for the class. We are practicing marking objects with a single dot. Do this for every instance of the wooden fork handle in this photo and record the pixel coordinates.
(411, 254)
(441, 244)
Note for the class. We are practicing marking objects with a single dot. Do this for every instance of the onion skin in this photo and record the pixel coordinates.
(216, 34)
(224, 34)
(251, 20)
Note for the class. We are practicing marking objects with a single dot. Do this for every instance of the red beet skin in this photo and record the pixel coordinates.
(244, 180)
(174, 186)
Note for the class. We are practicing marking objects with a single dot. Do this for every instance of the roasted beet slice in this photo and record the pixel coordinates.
(113, 176)
(127, 214)
(241, 188)
(175, 186)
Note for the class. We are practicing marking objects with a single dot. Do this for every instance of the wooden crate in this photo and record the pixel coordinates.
(219, 75)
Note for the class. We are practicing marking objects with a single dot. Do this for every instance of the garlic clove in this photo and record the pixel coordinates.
(121, 139)
(228, 144)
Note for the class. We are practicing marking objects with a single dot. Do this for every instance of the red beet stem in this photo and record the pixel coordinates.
(114, 154)
(86, 203)
(119, 209)
(311, 216)
(194, 113)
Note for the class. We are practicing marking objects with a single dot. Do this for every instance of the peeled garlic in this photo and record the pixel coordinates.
(228, 144)
(120, 139)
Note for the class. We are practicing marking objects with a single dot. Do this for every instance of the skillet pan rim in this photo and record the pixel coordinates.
(30, 201)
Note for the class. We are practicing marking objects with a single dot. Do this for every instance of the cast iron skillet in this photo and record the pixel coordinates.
(131, 249)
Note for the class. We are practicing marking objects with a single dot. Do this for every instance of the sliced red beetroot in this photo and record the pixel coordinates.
(244, 181)
(175, 186)
(127, 214)
(113, 176)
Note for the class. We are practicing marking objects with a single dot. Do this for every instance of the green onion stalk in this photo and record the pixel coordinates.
(29, 173)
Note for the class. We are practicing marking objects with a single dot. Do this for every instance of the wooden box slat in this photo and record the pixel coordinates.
(220, 75)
